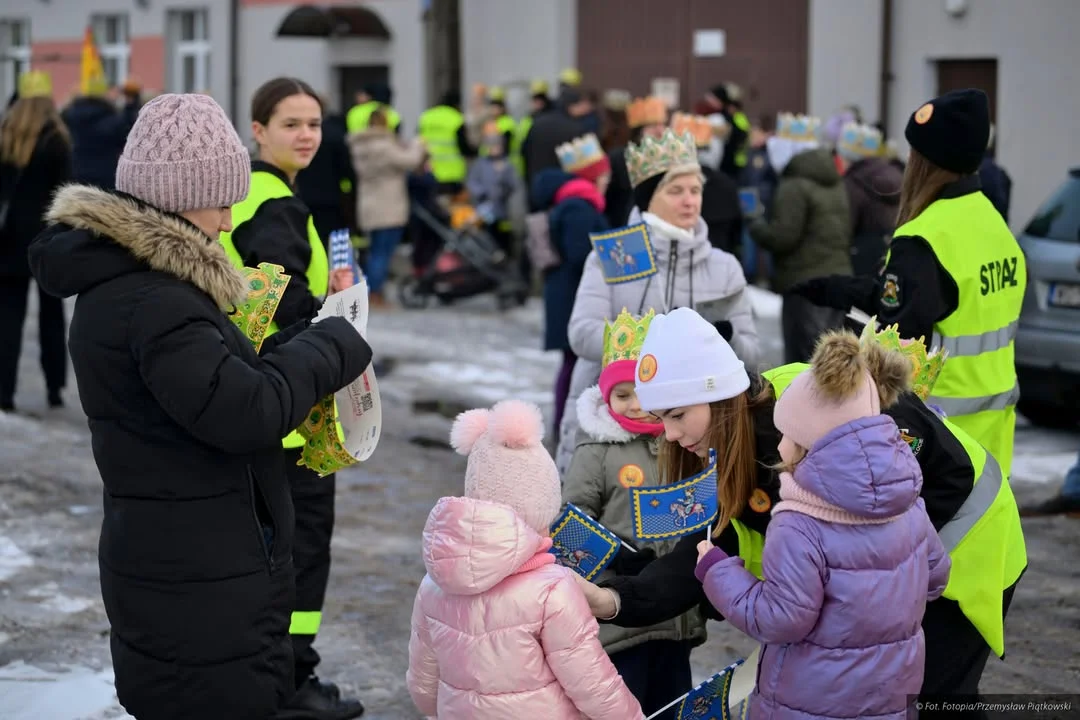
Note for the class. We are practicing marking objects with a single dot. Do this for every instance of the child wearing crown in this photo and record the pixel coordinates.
(617, 450)
(573, 198)
(686, 270)
(873, 189)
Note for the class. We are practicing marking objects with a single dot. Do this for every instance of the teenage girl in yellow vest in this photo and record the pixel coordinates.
(273, 225)
(954, 273)
(690, 378)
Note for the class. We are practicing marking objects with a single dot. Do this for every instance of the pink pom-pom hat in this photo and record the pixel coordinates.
(508, 463)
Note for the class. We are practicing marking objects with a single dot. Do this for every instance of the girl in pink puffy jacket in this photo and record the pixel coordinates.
(498, 629)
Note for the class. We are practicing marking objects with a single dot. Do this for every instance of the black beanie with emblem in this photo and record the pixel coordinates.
(952, 131)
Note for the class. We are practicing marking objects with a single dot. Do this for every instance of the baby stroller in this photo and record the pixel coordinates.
(468, 262)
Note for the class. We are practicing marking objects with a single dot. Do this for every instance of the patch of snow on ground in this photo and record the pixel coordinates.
(766, 304)
(77, 693)
(12, 559)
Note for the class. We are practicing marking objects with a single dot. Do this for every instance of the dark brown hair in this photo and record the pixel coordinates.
(270, 94)
(731, 434)
(923, 181)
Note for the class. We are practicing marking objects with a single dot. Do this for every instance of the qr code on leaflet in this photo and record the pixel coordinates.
(365, 402)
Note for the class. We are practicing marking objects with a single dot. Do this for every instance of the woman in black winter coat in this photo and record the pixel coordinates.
(186, 419)
(35, 159)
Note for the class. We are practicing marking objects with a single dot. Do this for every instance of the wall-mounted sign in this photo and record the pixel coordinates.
(710, 43)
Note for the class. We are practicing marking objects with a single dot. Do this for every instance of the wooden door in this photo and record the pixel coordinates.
(961, 74)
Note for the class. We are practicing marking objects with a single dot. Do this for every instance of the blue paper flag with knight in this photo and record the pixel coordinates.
(671, 511)
(581, 543)
(626, 254)
(709, 700)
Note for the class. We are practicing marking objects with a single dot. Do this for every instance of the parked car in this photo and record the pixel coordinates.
(1048, 336)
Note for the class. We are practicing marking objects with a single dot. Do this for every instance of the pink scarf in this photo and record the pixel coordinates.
(637, 427)
(795, 498)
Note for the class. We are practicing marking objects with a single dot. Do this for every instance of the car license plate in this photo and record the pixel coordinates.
(1065, 295)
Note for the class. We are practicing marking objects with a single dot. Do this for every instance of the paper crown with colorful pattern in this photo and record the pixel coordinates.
(580, 153)
(925, 365)
(860, 141)
(699, 127)
(646, 111)
(624, 336)
(655, 156)
(35, 83)
(804, 128)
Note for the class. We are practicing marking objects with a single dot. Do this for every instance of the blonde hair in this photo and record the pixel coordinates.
(789, 467)
(922, 184)
(731, 434)
(23, 125)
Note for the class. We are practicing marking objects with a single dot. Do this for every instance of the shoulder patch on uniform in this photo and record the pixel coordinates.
(890, 291)
(915, 443)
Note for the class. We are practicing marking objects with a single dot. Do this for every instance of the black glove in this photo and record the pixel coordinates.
(628, 562)
(725, 329)
(820, 291)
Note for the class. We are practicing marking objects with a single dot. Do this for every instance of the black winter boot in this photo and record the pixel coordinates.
(316, 700)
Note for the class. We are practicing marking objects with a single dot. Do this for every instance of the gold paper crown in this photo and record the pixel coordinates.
(624, 337)
(646, 111)
(656, 156)
(698, 126)
(860, 140)
(925, 366)
(803, 128)
(579, 153)
(35, 83)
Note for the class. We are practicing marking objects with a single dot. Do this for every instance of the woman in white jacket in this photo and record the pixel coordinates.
(691, 273)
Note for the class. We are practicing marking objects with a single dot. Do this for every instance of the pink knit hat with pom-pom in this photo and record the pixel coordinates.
(508, 463)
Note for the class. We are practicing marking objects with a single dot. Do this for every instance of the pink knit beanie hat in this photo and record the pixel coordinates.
(184, 154)
(508, 463)
(844, 382)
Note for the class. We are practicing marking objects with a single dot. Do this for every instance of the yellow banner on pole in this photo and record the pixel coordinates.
(92, 80)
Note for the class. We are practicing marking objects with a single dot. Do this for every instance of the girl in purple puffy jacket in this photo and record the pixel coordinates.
(850, 557)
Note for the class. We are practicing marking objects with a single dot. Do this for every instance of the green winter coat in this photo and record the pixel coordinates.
(605, 453)
(809, 231)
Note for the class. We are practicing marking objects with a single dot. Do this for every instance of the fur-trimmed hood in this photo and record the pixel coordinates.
(96, 235)
(595, 420)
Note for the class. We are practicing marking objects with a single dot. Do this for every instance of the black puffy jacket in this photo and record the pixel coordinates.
(186, 422)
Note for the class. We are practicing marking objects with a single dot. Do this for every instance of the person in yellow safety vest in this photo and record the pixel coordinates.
(688, 377)
(273, 225)
(953, 273)
(504, 125)
(368, 100)
(443, 130)
(737, 142)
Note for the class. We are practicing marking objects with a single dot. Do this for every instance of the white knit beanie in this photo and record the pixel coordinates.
(508, 463)
(685, 361)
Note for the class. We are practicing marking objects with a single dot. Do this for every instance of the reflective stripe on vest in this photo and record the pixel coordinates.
(439, 128)
(267, 186)
(751, 547)
(359, 116)
(977, 387)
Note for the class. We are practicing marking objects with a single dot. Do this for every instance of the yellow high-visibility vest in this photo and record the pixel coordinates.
(977, 388)
(268, 186)
(439, 128)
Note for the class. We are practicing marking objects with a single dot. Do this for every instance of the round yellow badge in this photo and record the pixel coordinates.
(922, 115)
(631, 476)
(759, 501)
(646, 369)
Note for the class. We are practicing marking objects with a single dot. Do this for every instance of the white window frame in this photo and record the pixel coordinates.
(118, 52)
(16, 58)
(198, 49)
